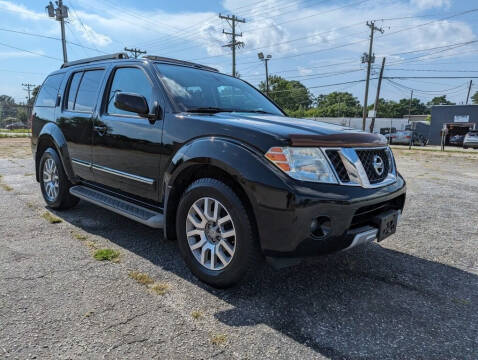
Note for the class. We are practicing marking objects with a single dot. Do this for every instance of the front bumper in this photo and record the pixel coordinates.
(284, 219)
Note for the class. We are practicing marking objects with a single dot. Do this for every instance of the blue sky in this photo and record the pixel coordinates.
(319, 42)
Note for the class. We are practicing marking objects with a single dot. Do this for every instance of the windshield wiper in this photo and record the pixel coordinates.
(208, 110)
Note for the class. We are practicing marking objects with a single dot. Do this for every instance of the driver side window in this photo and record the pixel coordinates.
(130, 80)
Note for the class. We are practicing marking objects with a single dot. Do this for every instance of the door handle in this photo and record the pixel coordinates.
(101, 129)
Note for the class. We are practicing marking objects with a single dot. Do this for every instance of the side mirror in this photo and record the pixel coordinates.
(132, 102)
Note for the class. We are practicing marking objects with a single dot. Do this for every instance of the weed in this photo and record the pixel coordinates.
(160, 288)
(91, 244)
(28, 174)
(219, 339)
(141, 278)
(52, 219)
(6, 187)
(106, 254)
(79, 236)
(89, 313)
(197, 314)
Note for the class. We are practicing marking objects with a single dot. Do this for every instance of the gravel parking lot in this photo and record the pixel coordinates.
(414, 296)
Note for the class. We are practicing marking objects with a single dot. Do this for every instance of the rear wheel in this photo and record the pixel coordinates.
(54, 183)
(215, 233)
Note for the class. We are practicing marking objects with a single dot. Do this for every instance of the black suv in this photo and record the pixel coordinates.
(210, 160)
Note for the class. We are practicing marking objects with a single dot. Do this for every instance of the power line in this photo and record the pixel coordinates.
(30, 52)
(49, 37)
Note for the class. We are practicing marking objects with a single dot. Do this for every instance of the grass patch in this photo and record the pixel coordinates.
(196, 314)
(6, 187)
(160, 288)
(52, 219)
(79, 236)
(91, 244)
(141, 278)
(218, 339)
(106, 254)
(16, 131)
(28, 174)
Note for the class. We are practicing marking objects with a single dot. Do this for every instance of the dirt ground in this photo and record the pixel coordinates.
(413, 296)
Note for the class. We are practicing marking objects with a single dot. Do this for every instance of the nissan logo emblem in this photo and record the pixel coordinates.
(378, 165)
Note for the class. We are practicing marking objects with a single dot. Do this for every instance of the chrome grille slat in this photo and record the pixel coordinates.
(354, 167)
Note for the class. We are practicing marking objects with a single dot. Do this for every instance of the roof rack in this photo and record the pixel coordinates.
(179, 62)
(120, 55)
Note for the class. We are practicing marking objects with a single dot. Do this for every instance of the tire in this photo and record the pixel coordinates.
(246, 251)
(61, 197)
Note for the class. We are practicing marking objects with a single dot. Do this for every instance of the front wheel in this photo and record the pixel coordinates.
(54, 183)
(215, 233)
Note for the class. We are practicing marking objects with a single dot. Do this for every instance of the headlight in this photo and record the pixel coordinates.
(307, 164)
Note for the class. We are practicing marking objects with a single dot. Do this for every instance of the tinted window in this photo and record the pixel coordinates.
(193, 88)
(75, 81)
(49, 90)
(88, 90)
(131, 80)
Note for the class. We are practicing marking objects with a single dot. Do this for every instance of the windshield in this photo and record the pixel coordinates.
(206, 91)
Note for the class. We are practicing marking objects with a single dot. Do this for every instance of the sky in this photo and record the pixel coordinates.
(318, 42)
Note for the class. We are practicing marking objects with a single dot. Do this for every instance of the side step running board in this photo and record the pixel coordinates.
(132, 211)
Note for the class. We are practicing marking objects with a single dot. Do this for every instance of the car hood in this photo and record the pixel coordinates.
(299, 132)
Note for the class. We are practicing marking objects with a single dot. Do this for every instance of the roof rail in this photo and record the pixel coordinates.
(120, 55)
(179, 62)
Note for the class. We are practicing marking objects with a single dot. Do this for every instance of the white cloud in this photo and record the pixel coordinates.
(21, 10)
(428, 4)
(90, 35)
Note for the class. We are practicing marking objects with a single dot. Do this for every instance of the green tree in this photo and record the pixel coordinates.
(440, 100)
(288, 94)
(474, 98)
(336, 104)
(35, 91)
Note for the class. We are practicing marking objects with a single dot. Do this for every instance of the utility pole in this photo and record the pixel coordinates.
(28, 88)
(469, 89)
(409, 115)
(377, 97)
(232, 20)
(135, 52)
(265, 59)
(369, 59)
(60, 14)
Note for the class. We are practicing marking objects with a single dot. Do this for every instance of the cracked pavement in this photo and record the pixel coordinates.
(414, 296)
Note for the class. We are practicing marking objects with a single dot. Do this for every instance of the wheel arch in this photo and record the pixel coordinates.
(238, 166)
(51, 136)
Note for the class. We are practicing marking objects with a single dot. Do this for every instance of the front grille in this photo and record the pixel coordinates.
(338, 165)
(367, 159)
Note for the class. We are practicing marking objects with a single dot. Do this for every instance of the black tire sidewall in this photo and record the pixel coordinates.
(63, 183)
(240, 262)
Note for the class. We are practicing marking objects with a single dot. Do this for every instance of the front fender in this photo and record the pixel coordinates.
(260, 180)
(52, 132)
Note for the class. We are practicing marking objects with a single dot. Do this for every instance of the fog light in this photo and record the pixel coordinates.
(320, 227)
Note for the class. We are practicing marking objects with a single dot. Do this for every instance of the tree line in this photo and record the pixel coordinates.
(298, 101)
(11, 112)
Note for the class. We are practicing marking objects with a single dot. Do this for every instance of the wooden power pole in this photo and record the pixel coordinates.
(377, 97)
(369, 59)
(232, 20)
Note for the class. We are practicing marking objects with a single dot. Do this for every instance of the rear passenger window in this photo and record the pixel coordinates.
(88, 90)
(75, 81)
(49, 90)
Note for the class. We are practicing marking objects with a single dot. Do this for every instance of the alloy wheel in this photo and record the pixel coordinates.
(51, 183)
(210, 233)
